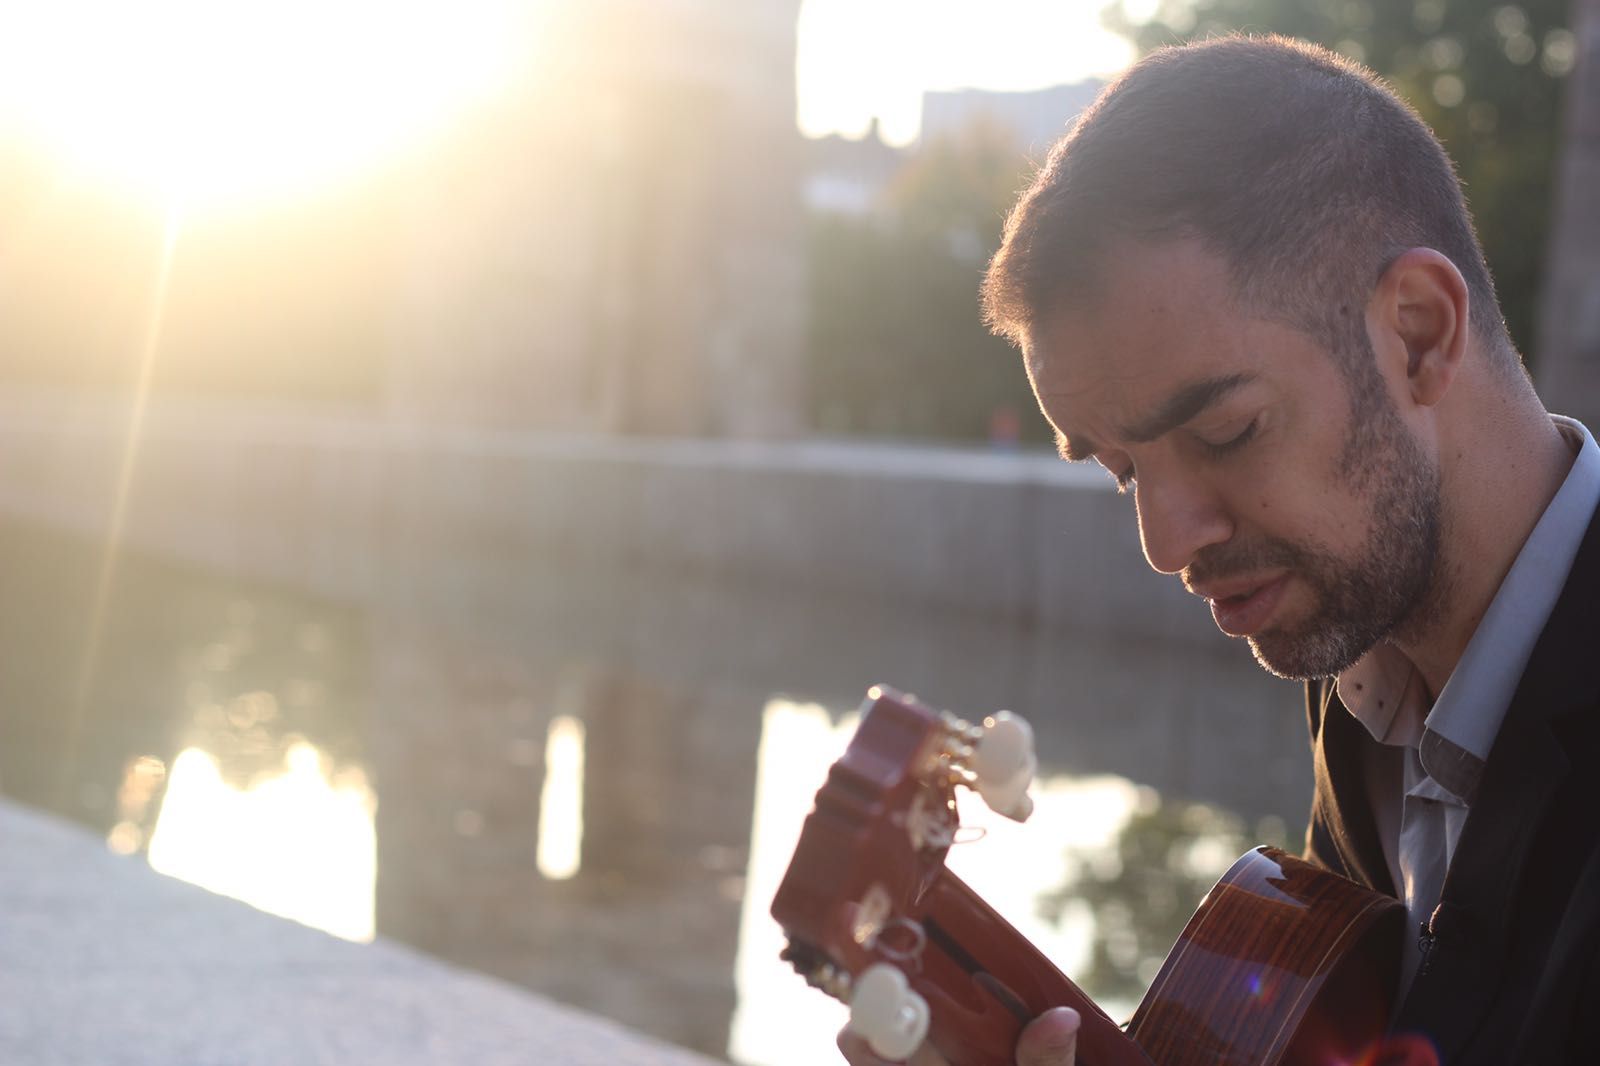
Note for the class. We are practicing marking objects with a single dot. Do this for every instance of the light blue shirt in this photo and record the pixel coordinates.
(1422, 782)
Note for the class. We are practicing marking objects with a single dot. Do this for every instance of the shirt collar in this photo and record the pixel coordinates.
(1384, 691)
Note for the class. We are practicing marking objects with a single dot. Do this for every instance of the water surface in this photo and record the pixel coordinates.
(589, 782)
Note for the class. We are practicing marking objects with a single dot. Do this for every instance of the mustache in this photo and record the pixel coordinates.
(1219, 562)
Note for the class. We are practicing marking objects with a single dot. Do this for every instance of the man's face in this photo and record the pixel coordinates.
(1290, 496)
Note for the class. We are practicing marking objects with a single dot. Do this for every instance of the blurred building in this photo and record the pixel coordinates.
(1038, 118)
(850, 176)
(616, 247)
(847, 176)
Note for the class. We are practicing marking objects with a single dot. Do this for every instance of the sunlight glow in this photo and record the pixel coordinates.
(296, 844)
(864, 58)
(561, 801)
(141, 779)
(798, 742)
(236, 99)
(111, 550)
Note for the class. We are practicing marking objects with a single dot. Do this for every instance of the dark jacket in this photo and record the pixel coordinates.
(1511, 976)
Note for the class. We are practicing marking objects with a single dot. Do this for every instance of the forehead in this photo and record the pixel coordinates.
(1155, 306)
(1163, 316)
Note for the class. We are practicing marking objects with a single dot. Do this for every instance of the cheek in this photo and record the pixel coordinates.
(1341, 520)
(1301, 509)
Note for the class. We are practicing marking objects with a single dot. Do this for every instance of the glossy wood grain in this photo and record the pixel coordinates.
(1282, 963)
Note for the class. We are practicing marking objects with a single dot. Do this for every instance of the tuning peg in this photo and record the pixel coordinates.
(1003, 763)
(885, 1011)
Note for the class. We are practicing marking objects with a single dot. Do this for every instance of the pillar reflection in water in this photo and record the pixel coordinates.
(602, 852)
(561, 802)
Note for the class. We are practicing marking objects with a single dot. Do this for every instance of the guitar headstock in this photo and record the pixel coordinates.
(876, 841)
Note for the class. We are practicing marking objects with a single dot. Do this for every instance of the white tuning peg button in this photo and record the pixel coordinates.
(886, 1013)
(1003, 764)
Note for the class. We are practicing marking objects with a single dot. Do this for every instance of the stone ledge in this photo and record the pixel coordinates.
(104, 962)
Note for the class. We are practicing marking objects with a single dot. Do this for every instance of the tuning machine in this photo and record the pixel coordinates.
(818, 969)
(996, 759)
(887, 1012)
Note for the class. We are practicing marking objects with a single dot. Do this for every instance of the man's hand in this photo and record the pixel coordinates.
(1051, 1039)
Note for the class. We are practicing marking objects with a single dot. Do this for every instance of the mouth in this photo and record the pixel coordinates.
(1245, 612)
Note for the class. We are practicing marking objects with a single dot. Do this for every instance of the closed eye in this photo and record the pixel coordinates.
(1234, 443)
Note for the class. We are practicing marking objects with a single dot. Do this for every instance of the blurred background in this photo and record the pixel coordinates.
(461, 464)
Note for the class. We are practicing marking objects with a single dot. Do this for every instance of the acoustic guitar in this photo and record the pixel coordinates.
(1282, 963)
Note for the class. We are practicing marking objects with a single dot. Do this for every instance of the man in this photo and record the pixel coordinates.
(1246, 284)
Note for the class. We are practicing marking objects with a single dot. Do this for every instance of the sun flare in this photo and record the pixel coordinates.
(223, 100)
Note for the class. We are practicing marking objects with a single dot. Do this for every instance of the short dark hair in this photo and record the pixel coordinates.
(1298, 167)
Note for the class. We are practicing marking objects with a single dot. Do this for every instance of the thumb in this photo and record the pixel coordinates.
(1051, 1039)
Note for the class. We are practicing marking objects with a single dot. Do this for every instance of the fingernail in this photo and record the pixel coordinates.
(1063, 1019)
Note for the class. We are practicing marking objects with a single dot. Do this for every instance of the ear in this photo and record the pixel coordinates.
(1420, 306)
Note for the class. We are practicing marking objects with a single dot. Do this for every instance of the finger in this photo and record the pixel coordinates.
(1051, 1039)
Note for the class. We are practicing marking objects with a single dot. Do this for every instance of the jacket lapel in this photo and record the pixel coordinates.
(1527, 765)
(1341, 757)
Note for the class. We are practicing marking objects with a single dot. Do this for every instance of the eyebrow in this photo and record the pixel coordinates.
(1175, 410)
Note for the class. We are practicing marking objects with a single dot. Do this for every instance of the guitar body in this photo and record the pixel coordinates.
(1282, 963)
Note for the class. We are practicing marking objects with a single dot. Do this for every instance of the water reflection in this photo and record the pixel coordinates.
(229, 666)
(588, 783)
(778, 1020)
(561, 803)
(142, 783)
(296, 843)
(1138, 889)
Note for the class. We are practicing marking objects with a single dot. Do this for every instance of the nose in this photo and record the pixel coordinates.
(1178, 516)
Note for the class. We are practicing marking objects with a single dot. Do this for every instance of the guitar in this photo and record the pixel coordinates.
(1282, 963)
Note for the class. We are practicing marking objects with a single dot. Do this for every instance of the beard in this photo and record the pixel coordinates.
(1392, 583)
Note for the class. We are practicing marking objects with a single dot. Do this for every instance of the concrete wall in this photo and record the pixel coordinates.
(345, 506)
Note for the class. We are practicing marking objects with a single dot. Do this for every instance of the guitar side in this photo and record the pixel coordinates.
(1283, 963)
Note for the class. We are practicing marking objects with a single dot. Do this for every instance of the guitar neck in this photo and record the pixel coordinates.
(984, 981)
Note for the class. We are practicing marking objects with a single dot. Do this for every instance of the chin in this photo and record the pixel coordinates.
(1305, 656)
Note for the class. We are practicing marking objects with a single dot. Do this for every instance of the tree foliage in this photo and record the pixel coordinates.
(1488, 77)
(1141, 890)
(896, 346)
